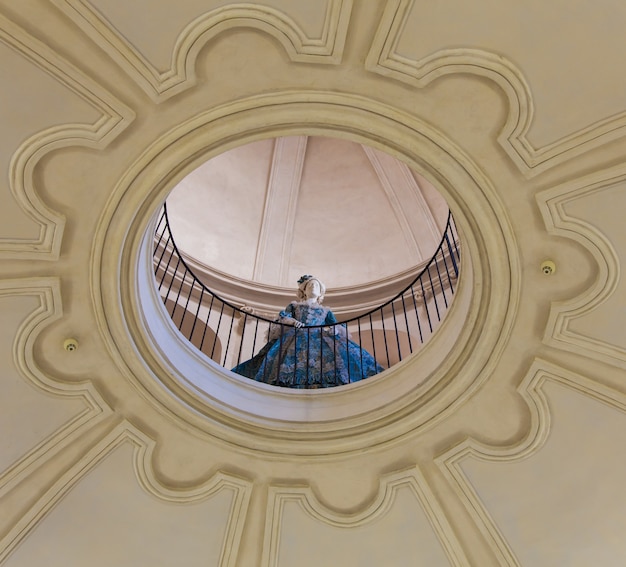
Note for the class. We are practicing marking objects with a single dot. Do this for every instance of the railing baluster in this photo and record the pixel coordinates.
(382, 320)
(406, 322)
(434, 295)
(445, 263)
(230, 332)
(167, 295)
(193, 326)
(308, 353)
(206, 323)
(180, 288)
(373, 337)
(395, 324)
(177, 270)
(417, 316)
(430, 325)
(243, 333)
(217, 330)
(443, 289)
(358, 322)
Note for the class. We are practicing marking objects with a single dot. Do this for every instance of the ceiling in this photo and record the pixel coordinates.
(269, 211)
(498, 444)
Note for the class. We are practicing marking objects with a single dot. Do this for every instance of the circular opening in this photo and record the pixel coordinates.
(180, 380)
(338, 220)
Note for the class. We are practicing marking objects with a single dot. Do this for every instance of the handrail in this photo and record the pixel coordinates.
(408, 318)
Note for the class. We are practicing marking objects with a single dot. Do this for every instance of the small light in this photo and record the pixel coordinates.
(70, 345)
(548, 267)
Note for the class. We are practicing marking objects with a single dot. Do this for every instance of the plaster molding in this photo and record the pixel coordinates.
(376, 160)
(382, 503)
(279, 213)
(96, 410)
(188, 387)
(383, 59)
(124, 432)
(161, 85)
(412, 183)
(115, 117)
(531, 390)
(552, 203)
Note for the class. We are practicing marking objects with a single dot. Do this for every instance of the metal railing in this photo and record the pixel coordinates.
(230, 334)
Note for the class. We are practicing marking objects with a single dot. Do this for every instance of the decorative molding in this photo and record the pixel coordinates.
(413, 395)
(412, 478)
(531, 390)
(144, 447)
(396, 179)
(327, 48)
(384, 59)
(115, 118)
(49, 310)
(376, 160)
(279, 213)
(552, 204)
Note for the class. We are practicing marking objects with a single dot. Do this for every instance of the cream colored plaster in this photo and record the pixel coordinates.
(503, 65)
(23, 402)
(227, 208)
(326, 47)
(101, 492)
(403, 525)
(279, 214)
(181, 456)
(208, 393)
(153, 27)
(94, 129)
(57, 413)
(555, 205)
(603, 210)
(549, 491)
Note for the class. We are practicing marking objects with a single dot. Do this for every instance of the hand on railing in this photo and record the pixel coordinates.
(291, 321)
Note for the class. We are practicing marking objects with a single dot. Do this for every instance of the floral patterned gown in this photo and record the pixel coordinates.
(316, 357)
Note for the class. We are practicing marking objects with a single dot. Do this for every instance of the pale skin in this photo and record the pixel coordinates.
(312, 292)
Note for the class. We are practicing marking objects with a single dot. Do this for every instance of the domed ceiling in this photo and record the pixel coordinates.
(104, 99)
(275, 209)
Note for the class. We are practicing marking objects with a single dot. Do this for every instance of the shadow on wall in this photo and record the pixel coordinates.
(198, 334)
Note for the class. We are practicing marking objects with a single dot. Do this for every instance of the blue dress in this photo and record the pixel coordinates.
(316, 357)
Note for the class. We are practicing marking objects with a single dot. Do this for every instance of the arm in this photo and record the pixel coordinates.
(339, 331)
(286, 317)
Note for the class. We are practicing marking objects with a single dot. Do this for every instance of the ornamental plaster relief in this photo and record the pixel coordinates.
(212, 399)
(57, 412)
(566, 213)
(326, 46)
(100, 484)
(403, 520)
(545, 479)
(393, 54)
(100, 119)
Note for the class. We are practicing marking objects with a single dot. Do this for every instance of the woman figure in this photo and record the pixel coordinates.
(304, 353)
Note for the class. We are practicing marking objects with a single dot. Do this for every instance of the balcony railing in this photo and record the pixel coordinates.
(230, 334)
